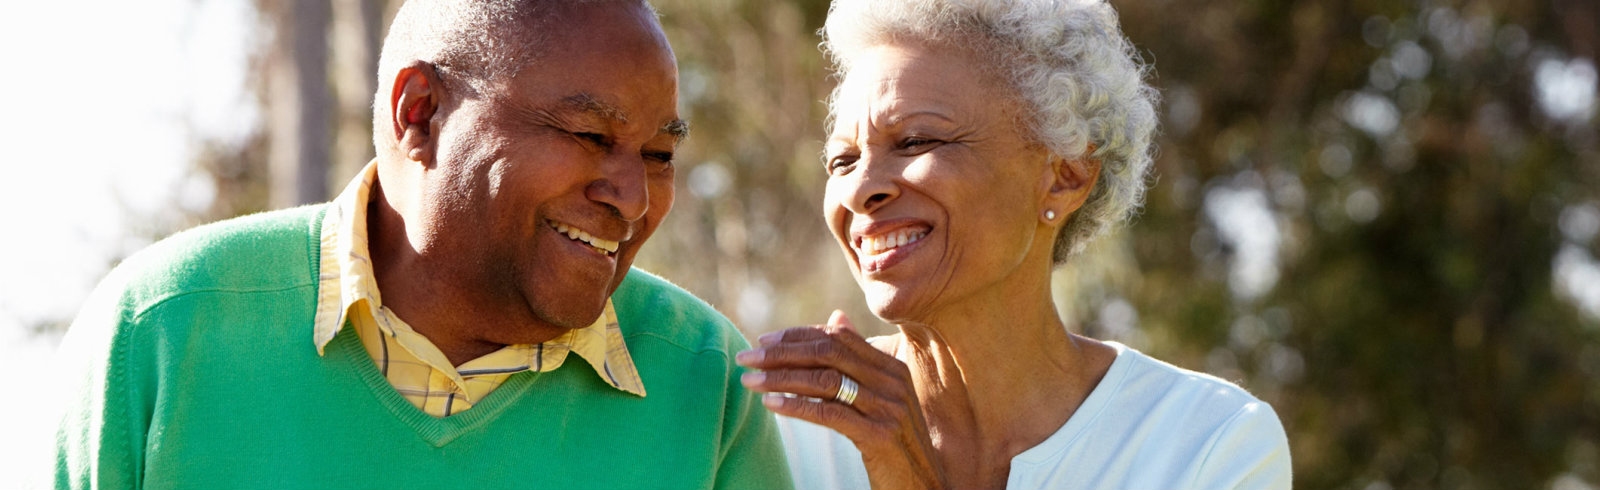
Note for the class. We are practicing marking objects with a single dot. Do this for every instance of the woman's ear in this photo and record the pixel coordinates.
(412, 106)
(1068, 184)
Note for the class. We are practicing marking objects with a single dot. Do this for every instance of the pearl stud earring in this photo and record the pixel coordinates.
(1050, 215)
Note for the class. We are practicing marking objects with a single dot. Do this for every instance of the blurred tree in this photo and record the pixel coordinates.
(354, 40)
(747, 232)
(299, 117)
(318, 68)
(1378, 187)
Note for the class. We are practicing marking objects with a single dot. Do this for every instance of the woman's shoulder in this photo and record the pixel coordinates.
(1150, 424)
(1145, 378)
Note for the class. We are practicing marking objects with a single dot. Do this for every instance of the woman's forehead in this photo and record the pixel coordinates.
(894, 83)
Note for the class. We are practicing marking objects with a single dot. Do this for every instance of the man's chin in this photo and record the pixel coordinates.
(573, 301)
(547, 325)
(569, 315)
(581, 320)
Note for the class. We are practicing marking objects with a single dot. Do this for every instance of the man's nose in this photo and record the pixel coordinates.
(622, 185)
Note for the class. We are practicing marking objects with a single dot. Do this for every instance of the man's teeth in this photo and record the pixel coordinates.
(879, 244)
(601, 244)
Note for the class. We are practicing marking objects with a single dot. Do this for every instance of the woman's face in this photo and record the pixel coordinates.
(934, 193)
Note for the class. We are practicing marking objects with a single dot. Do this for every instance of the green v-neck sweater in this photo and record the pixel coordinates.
(193, 366)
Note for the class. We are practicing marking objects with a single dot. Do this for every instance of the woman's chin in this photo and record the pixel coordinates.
(881, 311)
(890, 304)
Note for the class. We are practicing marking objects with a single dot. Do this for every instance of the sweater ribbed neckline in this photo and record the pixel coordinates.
(346, 349)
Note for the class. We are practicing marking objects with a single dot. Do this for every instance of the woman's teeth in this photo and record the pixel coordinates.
(879, 244)
(602, 245)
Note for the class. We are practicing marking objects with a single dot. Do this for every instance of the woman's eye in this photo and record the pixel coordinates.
(916, 142)
(841, 164)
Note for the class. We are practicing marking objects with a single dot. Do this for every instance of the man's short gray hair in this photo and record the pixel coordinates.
(1078, 79)
(480, 40)
(474, 43)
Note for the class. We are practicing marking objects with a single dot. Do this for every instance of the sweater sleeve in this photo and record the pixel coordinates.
(752, 454)
(1249, 452)
(100, 435)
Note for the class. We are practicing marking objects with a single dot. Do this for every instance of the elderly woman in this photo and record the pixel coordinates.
(975, 146)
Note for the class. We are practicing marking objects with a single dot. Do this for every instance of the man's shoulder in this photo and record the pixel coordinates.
(650, 306)
(272, 249)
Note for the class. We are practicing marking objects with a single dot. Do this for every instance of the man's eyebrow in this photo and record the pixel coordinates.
(678, 128)
(587, 103)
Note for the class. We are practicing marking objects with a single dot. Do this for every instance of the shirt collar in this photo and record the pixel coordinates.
(346, 281)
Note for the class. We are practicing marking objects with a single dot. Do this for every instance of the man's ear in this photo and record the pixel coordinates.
(1068, 184)
(412, 106)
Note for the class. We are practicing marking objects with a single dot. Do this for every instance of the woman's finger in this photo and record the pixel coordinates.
(818, 353)
(803, 372)
(836, 346)
(793, 334)
(830, 352)
(824, 384)
(837, 320)
(837, 416)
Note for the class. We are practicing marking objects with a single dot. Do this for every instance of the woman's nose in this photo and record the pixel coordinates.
(873, 184)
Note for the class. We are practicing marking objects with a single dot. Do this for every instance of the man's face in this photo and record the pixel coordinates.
(548, 183)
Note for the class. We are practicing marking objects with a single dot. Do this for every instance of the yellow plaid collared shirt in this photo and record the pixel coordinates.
(348, 293)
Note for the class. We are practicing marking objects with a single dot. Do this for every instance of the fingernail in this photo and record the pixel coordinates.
(769, 338)
(772, 400)
(749, 356)
(753, 378)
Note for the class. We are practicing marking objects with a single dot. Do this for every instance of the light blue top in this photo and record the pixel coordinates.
(1147, 425)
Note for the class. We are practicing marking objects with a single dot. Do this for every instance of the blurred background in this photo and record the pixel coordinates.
(1379, 216)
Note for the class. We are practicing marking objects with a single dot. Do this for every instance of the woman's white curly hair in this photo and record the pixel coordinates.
(1078, 78)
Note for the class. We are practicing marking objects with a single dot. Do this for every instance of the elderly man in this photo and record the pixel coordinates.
(462, 315)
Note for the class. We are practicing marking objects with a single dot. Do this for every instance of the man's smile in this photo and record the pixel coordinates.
(604, 246)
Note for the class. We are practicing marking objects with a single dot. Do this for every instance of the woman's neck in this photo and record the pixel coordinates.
(997, 377)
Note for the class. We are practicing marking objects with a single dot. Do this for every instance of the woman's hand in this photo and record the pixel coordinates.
(884, 419)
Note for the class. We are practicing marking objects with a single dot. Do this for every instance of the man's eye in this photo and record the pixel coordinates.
(660, 157)
(594, 138)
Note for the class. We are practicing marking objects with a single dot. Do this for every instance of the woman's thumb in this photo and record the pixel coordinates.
(838, 318)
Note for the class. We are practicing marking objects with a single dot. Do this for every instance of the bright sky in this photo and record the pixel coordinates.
(104, 97)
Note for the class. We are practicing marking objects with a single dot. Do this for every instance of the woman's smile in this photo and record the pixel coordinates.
(879, 251)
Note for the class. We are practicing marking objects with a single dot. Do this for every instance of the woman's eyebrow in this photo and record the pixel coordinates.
(900, 118)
